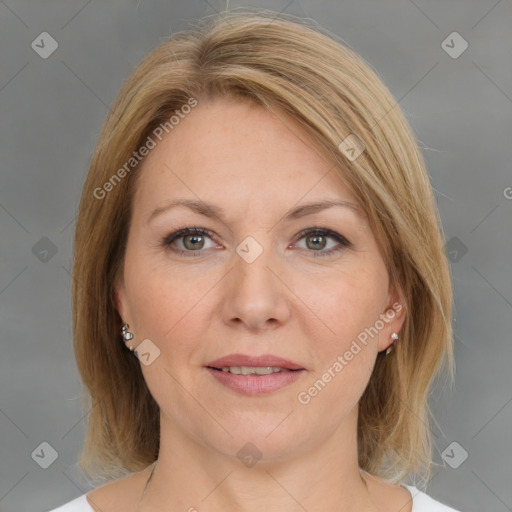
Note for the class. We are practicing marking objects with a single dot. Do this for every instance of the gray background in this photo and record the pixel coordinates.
(52, 110)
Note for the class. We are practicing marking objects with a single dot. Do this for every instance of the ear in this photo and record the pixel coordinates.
(392, 317)
(120, 302)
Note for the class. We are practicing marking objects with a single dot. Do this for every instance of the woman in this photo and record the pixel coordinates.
(261, 297)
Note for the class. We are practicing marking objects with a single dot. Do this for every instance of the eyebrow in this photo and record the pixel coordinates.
(215, 212)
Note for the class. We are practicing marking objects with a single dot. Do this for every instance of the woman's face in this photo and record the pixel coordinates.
(254, 287)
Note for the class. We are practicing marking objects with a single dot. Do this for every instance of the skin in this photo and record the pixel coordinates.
(255, 166)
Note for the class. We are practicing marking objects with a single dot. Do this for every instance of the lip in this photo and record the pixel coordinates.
(247, 360)
(255, 385)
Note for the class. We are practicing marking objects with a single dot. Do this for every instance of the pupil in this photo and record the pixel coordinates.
(194, 239)
(316, 238)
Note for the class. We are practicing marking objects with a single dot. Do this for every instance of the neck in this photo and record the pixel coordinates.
(191, 477)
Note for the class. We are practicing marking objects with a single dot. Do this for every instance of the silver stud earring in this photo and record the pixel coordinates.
(394, 337)
(127, 336)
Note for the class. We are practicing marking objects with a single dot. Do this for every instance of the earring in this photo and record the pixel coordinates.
(394, 337)
(126, 334)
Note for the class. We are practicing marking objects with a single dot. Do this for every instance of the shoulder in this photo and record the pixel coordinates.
(116, 496)
(424, 503)
(79, 504)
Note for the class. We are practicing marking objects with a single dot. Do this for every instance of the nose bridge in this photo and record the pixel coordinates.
(253, 261)
(255, 293)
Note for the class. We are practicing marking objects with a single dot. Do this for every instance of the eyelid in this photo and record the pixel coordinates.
(343, 242)
(182, 232)
(323, 231)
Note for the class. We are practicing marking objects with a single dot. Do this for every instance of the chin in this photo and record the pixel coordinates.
(265, 437)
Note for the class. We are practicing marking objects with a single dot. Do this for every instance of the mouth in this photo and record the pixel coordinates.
(263, 362)
(252, 370)
(254, 375)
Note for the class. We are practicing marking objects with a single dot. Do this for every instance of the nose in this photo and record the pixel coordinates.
(255, 294)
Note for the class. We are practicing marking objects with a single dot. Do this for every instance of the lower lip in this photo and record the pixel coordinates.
(256, 384)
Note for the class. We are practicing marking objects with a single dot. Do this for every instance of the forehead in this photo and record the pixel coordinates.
(228, 150)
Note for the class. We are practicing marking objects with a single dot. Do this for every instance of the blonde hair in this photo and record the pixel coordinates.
(285, 65)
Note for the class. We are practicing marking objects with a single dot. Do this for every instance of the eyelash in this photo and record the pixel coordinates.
(343, 242)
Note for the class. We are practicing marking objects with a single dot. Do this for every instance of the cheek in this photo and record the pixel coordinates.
(344, 366)
(347, 303)
(166, 304)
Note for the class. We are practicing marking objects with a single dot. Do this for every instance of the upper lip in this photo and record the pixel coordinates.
(254, 361)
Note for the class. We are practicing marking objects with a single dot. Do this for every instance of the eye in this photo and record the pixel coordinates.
(317, 239)
(190, 241)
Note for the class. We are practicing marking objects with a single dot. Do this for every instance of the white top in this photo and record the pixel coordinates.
(421, 502)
